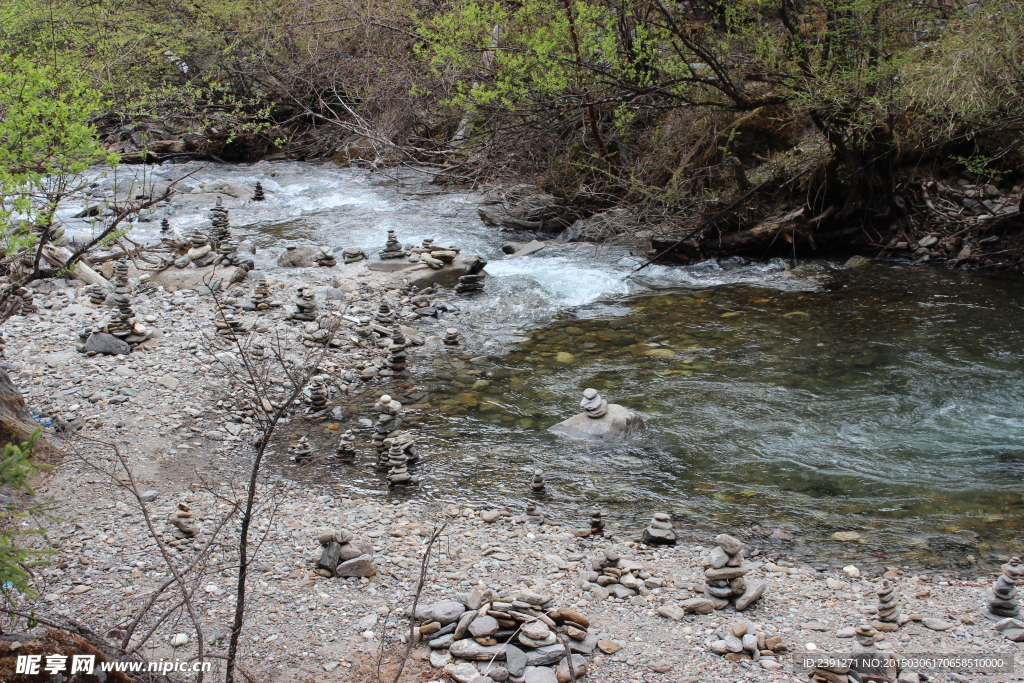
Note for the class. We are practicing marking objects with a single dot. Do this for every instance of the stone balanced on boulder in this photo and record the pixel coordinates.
(537, 483)
(596, 522)
(473, 280)
(660, 531)
(397, 355)
(600, 421)
(724, 569)
(325, 258)
(342, 555)
(258, 195)
(346, 451)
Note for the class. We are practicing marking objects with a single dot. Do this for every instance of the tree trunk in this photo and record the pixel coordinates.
(16, 422)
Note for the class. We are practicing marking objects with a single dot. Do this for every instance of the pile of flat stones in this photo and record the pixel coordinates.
(521, 638)
(353, 255)
(1002, 601)
(746, 641)
(392, 248)
(660, 531)
(389, 419)
(304, 306)
(220, 229)
(433, 255)
(261, 296)
(473, 280)
(124, 324)
(199, 252)
(319, 333)
(888, 608)
(325, 258)
(230, 327)
(611, 575)
(344, 556)
(724, 572)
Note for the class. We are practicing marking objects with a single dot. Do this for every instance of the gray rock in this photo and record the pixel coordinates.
(539, 674)
(515, 660)
(439, 658)
(483, 627)
(585, 646)
(733, 644)
(579, 667)
(530, 248)
(621, 592)
(753, 593)
(544, 656)
(446, 612)
(937, 624)
(423, 275)
(359, 566)
(671, 612)
(468, 648)
(462, 672)
(618, 424)
(464, 621)
(149, 496)
(108, 344)
(298, 257)
(729, 543)
(718, 558)
(697, 606)
(442, 642)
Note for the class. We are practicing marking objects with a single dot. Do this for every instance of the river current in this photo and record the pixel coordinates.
(877, 410)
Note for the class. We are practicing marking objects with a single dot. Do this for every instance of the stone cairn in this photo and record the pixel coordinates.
(495, 638)
(325, 258)
(346, 451)
(305, 305)
(596, 522)
(888, 607)
(257, 195)
(230, 327)
(744, 641)
(319, 393)
(320, 332)
(537, 483)
(27, 304)
(220, 230)
(434, 256)
(181, 519)
(261, 296)
(611, 574)
(199, 252)
(724, 569)
(473, 280)
(389, 419)
(3, 342)
(385, 314)
(392, 248)
(593, 404)
(398, 472)
(343, 556)
(397, 356)
(1002, 599)
(660, 531)
(124, 325)
(165, 227)
(364, 327)
(532, 513)
(259, 350)
(353, 255)
(451, 337)
(97, 294)
(83, 339)
(404, 441)
(301, 449)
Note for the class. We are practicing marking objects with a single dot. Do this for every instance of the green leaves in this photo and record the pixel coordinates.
(16, 469)
(46, 144)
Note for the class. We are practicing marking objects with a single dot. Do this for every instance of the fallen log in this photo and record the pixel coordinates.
(58, 256)
(762, 235)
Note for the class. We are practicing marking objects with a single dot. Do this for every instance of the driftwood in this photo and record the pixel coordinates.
(764, 233)
(58, 256)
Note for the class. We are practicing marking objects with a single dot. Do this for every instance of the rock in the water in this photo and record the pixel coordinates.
(101, 342)
(617, 424)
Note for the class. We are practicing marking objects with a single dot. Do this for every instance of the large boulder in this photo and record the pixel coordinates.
(227, 188)
(106, 344)
(172, 279)
(298, 257)
(422, 275)
(617, 424)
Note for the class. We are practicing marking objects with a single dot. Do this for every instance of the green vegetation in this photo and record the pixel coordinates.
(16, 469)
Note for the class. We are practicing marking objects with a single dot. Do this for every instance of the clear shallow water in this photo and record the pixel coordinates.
(886, 401)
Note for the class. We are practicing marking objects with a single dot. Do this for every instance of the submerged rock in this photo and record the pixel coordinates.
(602, 421)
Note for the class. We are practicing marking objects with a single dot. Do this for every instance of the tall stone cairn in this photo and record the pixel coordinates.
(724, 572)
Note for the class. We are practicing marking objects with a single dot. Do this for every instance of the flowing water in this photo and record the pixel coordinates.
(886, 401)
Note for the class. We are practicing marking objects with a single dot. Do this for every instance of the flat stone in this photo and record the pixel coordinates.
(579, 667)
(490, 516)
(462, 673)
(107, 344)
(846, 632)
(439, 658)
(755, 589)
(609, 647)
(937, 624)
(544, 656)
(470, 649)
(729, 544)
(587, 646)
(447, 612)
(463, 625)
(718, 558)
(483, 627)
(697, 606)
(167, 382)
(442, 642)
(359, 566)
(515, 660)
(530, 248)
(813, 626)
(534, 598)
(726, 573)
(536, 630)
(672, 612)
(149, 496)
(661, 667)
(621, 592)
(1014, 634)
(539, 674)
(618, 424)
(563, 614)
